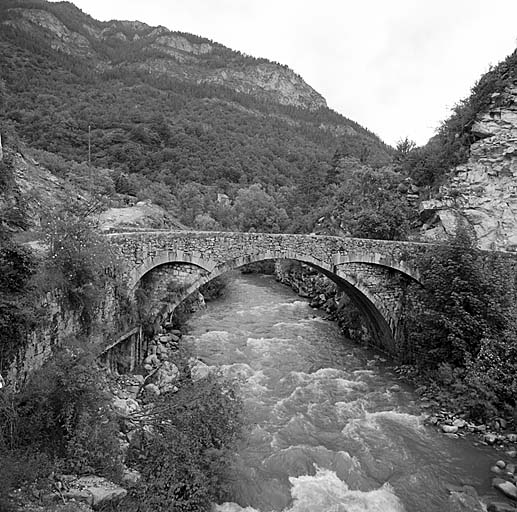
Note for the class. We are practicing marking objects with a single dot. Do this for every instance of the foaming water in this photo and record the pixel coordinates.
(325, 433)
(326, 492)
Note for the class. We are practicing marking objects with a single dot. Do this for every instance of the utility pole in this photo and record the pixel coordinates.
(90, 160)
(89, 146)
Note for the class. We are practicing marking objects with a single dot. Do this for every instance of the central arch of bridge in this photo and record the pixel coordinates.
(374, 274)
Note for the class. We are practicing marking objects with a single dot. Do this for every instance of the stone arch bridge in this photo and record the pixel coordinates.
(373, 273)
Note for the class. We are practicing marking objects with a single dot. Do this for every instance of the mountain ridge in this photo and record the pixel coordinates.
(162, 50)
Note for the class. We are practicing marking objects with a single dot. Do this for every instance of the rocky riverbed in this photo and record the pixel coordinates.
(164, 368)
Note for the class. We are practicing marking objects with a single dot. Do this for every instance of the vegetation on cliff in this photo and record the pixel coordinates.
(18, 312)
(462, 334)
(79, 264)
(58, 421)
(429, 165)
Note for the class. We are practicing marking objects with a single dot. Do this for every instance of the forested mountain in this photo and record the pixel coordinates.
(176, 118)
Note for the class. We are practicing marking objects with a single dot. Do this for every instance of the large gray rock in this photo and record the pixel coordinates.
(507, 488)
(166, 376)
(198, 369)
(131, 477)
(152, 389)
(95, 491)
(125, 407)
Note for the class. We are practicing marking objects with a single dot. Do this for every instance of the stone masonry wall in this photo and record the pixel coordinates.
(211, 250)
(163, 286)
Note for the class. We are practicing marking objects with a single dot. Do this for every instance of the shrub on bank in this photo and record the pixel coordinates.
(59, 421)
(462, 331)
(184, 452)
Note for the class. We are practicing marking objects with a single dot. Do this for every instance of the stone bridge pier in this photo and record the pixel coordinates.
(171, 265)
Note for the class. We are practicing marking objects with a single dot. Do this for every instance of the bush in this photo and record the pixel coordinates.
(462, 328)
(17, 309)
(185, 455)
(461, 303)
(17, 468)
(62, 414)
(77, 263)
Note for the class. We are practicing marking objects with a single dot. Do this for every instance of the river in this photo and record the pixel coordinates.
(324, 431)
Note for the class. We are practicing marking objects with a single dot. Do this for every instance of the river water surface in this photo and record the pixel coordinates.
(325, 433)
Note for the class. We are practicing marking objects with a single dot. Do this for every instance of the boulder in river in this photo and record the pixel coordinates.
(198, 369)
(465, 501)
(507, 488)
(490, 438)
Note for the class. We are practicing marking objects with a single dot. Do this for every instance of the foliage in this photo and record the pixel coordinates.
(18, 312)
(463, 329)
(369, 203)
(17, 468)
(256, 210)
(403, 148)
(462, 304)
(77, 263)
(59, 419)
(185, 455)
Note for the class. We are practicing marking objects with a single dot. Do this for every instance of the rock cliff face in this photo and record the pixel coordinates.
(62, 39)
(106, 45)
(282, 84)
(483, 191)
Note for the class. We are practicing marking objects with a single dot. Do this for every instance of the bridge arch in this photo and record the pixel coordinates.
(163, 257)
(378, 317)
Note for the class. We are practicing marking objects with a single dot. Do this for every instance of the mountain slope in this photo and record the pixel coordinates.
(186, 114)
(74, 47)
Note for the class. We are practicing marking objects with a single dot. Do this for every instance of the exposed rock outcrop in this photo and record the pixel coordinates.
(282, 84)
(95, 491)
(63, 39)
(483, 191)
(143, 215)
(174, 54)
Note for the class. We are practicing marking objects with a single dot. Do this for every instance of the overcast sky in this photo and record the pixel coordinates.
(396, 67)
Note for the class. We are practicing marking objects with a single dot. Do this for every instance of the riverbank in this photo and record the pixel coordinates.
(172, 404)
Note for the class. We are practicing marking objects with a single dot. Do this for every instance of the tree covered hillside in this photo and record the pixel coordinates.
(171, 113)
